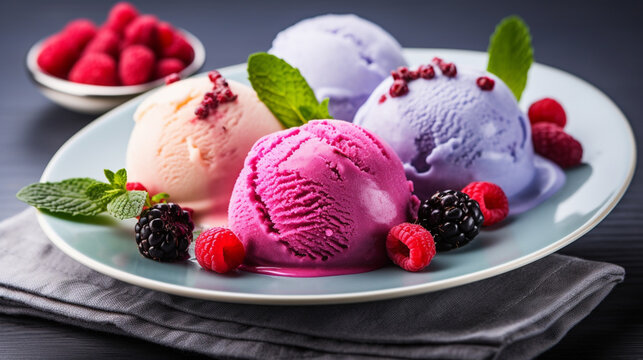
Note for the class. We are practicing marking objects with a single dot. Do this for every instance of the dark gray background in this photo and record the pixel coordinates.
(599, 41)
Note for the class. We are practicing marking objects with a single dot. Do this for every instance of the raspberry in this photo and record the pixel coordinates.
(135, 186)
(57, 56)
(448, 69)
(452, 218)
(165, 34)
(219, 249)
(95, 69)
(165, 67)
(485, 83)
(180, 49)
(547, 110)
(426, 72)
(106, 41)
(172, 78)
(492, 200)
(120, 16)
(136, 65)
(164, 232)
(80, 32)
(142, 31)
(220, 93)
(555, 144)
(410, 246)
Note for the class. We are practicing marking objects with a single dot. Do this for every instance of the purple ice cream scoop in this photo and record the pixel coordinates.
(343, 57)
(449, 131)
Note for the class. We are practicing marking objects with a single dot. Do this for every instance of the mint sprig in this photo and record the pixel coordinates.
(89, 197)
(284, 91)
(511, 53)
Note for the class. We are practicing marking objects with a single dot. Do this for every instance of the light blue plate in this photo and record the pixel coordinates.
(591, 191)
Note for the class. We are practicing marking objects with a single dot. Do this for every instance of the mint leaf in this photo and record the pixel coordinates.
(120, 179)
(160, 197)
(65, 197)
(127, 205)
(284, 90)
(98, 190)
(511, 53)
(109, 174)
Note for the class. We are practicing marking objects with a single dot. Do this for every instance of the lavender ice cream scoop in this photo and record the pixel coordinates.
(343, 57)
(452, 130)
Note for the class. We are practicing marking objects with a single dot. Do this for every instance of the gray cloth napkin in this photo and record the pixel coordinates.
(516, 315)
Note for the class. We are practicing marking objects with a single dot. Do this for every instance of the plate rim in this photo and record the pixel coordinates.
(352, 297)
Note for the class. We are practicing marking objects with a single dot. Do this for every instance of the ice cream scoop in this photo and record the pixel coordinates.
(343, 57)
(196, 159)
(459, 126)
(319, 200)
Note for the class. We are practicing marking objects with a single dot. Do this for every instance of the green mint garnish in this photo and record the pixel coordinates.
(67, 197)
(89, 197)
(127, 205)
(284, 91)
(511, 53)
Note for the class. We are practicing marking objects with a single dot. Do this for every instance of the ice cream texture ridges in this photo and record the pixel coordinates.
(343, 57)
(319, 200)
(195, 160)
(449, 132)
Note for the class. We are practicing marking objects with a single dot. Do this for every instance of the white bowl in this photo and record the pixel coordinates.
(95, 99)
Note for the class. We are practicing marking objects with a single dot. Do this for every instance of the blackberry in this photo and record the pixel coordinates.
(452, 218)
(164, 232)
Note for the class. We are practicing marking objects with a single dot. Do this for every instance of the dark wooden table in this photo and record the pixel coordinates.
(601, 42)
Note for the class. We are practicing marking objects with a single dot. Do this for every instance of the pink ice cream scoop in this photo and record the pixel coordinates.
(319, 200)
(196, 160)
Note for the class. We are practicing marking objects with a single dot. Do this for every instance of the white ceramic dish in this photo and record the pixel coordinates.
(590, 193)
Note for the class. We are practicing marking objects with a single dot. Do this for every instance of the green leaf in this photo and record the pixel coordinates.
(65, 197)
(511, 53)
(109, 174)
(284, 90)
(102, 193)
(120, 179)
(127, 205)
(160, 197)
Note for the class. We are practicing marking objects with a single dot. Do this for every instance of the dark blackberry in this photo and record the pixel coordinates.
(452, 218)
(164, 232)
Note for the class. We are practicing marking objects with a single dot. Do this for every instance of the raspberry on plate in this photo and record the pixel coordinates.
(57, 56)
(410, 246)
(492, 200)
(165, 67)
(120, 16)
(555, 144)
(219, 249)
(164, 232)
(95, 69)
(143, 31)
(452, 218)
(547, 110)
(136, 65)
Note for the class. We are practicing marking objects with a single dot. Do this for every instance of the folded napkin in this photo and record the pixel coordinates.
(516, 315)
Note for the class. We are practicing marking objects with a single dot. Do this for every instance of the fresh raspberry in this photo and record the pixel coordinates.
(219, 249)
(142, 31)
(410, 246)
(172, 78)
(552, 142)
(106, 41)
(492, 200)
(120, 16)
(57, 56)
(165, 67)
(95, 69)
(180, 49)
(547, 110)
(165, 34)
(136, 65)
(80, 32)
(130, 186)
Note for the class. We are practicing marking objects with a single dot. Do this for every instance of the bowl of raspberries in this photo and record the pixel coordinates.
(92, 69)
